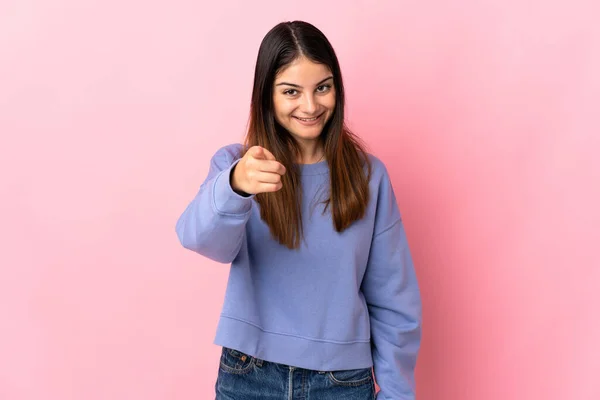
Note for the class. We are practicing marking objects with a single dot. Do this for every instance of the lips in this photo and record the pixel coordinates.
(308, 121)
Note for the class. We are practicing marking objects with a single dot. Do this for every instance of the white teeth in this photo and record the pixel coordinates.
(307, 119)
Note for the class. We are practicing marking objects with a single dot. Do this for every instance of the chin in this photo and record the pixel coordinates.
(307, 136)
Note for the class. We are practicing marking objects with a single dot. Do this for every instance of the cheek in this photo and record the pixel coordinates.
(277, 111)
(284, 109)
(280, 105)
(330, 102)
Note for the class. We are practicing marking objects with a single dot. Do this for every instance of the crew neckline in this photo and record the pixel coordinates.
(317, 168)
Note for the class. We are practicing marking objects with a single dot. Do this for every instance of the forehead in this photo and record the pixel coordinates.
(302, 71)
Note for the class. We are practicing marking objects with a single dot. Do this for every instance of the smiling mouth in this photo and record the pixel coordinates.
(309, 119)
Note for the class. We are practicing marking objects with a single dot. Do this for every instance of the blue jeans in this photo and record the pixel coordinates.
(242, 377)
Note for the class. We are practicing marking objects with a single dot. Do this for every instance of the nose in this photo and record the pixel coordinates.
(309, 104)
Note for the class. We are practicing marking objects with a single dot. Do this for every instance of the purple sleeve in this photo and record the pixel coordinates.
(213, 224)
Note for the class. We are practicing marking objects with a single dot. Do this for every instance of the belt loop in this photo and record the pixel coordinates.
(259, 362)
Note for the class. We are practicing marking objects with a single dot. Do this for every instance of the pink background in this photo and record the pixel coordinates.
(486, 115)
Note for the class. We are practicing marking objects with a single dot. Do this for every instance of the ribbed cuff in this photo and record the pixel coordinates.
(225, 199)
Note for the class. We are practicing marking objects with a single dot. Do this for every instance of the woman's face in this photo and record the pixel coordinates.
(304, 99)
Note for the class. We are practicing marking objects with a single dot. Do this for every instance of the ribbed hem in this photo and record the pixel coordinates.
(292, 350)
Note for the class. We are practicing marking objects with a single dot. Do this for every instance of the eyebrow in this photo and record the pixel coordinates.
(298, 86)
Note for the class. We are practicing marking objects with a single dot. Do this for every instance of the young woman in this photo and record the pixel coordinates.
(321, 286)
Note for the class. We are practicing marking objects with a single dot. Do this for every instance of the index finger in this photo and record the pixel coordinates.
(268, 154)
(271, 166)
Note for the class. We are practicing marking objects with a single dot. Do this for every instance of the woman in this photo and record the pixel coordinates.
(321, 286)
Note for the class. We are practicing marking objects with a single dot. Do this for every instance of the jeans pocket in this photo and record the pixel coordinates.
(351, 377)
(236, 362)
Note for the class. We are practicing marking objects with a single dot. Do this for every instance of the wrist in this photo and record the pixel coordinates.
(233, 182)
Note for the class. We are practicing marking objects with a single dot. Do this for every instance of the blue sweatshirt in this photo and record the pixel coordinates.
(342, 301)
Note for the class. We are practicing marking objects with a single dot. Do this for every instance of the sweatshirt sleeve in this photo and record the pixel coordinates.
(213, 224)
(392, 294)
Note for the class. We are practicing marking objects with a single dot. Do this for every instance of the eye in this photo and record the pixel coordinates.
(323, 88)
(290, 92)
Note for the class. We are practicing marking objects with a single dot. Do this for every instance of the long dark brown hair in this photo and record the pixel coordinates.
(345, 154)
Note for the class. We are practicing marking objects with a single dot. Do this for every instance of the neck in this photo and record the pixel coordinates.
(312, 154)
